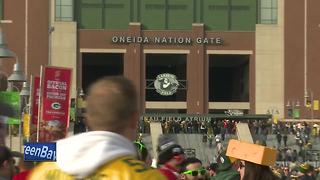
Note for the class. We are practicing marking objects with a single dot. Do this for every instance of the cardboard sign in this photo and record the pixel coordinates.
(251, 152)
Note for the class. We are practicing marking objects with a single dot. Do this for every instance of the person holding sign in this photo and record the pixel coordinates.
(254, 160)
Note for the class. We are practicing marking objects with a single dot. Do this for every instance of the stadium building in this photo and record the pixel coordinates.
(184, 56)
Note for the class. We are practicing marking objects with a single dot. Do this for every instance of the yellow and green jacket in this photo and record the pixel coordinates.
(95, 155)
(123, 168)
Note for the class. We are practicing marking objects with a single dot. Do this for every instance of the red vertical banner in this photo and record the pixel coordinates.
(55, 103)
(35, 99)
(34, 107)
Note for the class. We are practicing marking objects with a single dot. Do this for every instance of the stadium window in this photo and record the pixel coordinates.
(268, 12)
(64, 10)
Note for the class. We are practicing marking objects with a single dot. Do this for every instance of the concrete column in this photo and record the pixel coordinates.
(197, 75)
(134, 64)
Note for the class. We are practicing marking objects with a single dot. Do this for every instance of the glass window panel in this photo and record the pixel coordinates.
(265, 3)
(233, 86)
(274, 14)
(215, 15)
(266, 14)
(67, 2)
(58, 13)
(91, 18)
(180, 14)
(268, 11)
(152, 14)
(98, 65)
(58, 2)
(243, 15)
(66, 11)
(117, 14)
(166, 63)
(275, 3)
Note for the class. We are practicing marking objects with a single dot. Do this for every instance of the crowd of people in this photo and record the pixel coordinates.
(110, 149)
(227, 126)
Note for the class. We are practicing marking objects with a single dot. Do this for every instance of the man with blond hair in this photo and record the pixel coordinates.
(106, 151)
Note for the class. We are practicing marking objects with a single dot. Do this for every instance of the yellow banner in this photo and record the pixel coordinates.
(275, 119)
(316, 105)
(26, 125)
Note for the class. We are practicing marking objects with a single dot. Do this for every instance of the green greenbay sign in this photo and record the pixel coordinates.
(12, 99)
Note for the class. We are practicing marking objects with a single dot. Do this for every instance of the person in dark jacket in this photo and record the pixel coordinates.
(225, 170)
(279, 137)
(285, 139)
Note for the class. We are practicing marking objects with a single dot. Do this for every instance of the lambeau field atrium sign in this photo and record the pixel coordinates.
(166, 40)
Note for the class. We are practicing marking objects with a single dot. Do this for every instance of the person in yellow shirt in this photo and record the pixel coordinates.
(106, 151)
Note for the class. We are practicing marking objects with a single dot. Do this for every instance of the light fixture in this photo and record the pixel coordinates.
(4, 51)
(81, 94)
(297, 104)
(25, 91)
(12, 88)
(17, 75)
(288, 104)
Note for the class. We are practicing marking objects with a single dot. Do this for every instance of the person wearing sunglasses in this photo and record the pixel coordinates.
(286, 174)
(192, 169)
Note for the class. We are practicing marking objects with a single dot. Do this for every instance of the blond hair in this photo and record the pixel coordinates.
(111, 102)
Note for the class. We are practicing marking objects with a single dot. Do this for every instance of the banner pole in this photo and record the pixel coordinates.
(20, 130)
(10, 135)
(29, 110)
(39, 103)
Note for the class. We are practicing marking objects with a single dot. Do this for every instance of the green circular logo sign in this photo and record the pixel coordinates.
(166, 84)
(56, 106)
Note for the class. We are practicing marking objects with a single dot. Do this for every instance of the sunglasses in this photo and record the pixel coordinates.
(201, 171)
(139, 145)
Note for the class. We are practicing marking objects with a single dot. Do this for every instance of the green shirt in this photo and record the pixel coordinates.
(227, 175)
